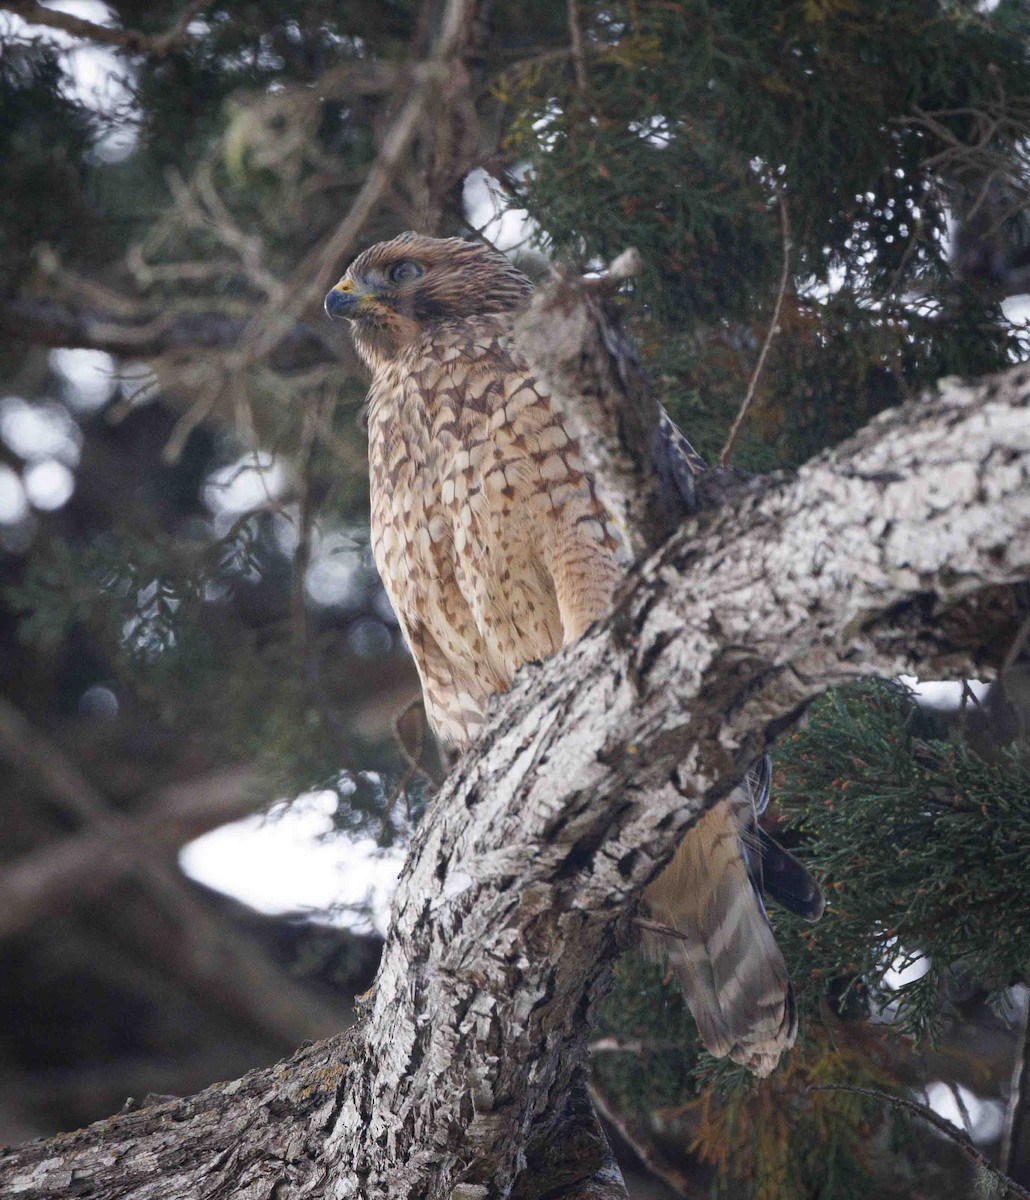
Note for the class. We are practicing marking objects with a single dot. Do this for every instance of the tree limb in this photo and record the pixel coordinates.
(158, 44)
(89, 862)
(879, 557)
(571, 336)
(643, 1145)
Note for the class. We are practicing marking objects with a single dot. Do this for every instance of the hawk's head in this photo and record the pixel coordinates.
(395, 289)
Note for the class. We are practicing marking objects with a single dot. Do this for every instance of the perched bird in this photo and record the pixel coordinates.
(495, 550)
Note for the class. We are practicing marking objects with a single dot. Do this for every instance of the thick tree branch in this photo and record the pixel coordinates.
(883, 556)
(571, 336)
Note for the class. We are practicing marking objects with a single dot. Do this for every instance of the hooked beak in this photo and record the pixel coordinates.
(342, 300)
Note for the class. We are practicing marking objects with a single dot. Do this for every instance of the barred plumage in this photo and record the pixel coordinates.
(495, 550)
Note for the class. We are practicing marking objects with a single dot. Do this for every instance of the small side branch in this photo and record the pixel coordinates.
(571, 336)
(1013, 1148)
(91, 862)
(644, 1147)
(235, 976)
(146, 335)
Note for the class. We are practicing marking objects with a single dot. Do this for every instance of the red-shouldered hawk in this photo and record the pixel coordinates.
(495, 550)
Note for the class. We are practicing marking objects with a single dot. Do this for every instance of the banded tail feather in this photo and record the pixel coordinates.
(729, 966)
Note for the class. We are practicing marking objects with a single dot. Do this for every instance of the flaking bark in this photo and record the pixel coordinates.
(895, 552)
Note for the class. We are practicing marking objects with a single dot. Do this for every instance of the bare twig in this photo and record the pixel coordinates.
(413, 761)
(149, 334)
(958, 1136)
(63, 279)
(195, 415)
(612, 1045)
(770, 333)
(305, 530)
(643, 1145)
(247, 247)
(981, 169)
(960, 1104)
(27, 750)
(1016, 649)
(650, 926)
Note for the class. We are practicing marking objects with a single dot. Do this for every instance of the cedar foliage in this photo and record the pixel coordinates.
(702, 119)
(880, 147)
(919, 844)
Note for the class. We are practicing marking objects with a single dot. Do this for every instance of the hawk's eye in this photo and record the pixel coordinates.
(403, 271)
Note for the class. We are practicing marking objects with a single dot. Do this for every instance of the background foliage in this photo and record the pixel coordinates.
(204, 600)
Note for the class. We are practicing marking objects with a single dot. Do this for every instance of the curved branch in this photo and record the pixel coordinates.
(86, 864)
(888, 554)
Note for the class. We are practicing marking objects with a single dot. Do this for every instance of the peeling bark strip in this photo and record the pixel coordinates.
(890, 553)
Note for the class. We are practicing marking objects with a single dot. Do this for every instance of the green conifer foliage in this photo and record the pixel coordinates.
(44, 138)
(702, 120)
(921, 844)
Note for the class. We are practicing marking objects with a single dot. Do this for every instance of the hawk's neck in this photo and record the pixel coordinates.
(404, 341)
